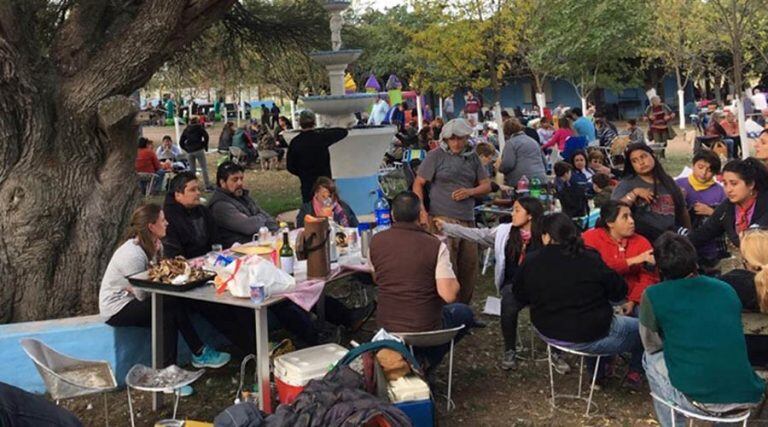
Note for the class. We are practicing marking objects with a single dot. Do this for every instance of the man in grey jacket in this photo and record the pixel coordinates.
(237, 215)
(521, 155)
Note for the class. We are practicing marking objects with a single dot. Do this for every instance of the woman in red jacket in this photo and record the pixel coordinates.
(624, 251)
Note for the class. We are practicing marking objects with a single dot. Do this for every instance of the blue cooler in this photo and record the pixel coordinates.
(421, 412)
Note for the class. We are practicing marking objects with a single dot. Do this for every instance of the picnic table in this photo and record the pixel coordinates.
(348, 264)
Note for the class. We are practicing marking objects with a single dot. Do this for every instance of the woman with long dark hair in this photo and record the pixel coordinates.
(569, 289)
(511, 242)
(624, 251)
(746, 206)
(120, 304)
(657, 202)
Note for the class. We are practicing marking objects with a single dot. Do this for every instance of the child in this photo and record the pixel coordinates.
(603, 187)
(703, 194)
(572, 197)
(635, 133)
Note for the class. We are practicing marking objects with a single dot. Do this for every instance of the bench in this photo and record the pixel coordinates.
(85, 337)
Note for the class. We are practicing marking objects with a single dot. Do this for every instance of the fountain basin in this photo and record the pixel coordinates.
(355, 162)
(336, 57)
(336, 105)
(336, 6)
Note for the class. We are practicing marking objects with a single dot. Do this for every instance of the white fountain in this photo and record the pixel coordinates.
(355, 160)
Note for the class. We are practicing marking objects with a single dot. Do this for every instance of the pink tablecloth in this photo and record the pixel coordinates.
(308, 291)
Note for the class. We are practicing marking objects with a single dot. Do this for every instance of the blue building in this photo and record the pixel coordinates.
(627, 104)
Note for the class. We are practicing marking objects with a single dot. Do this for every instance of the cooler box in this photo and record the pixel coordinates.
(294, 370)
(411, 395)
(421, 412)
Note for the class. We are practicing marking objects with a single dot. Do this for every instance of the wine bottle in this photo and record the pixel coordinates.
(286, 255)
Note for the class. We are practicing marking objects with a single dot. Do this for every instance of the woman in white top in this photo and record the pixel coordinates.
(120, 304)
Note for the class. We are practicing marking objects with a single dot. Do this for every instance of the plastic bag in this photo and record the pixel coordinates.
(237, 277)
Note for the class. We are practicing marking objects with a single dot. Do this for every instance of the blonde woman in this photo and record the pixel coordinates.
(751, 282)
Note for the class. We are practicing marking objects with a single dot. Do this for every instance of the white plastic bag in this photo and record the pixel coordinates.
(244, 271)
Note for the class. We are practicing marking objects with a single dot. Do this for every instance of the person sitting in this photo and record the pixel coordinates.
(238, 218)
(731, 127)
(597, 162)
(581, 174)
(120, 304)
(148, 163)
(488, 156)
(191, 228)
(225, 137)
(657, 203)
(170, 155)
(268, 151)
(716, 130)
(573, 199)
(512, 242)
(326, 203)
(635, 133)
(603, 187)
(702, 195)
(243, 141)
(606, 131)
(417, 289)
(545, 131)
(521, 155)
(624, 251)
(746, 206)
(571, 304)
(695, 353)
(560, 136)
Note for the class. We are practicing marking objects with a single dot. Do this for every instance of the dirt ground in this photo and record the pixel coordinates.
(484, 394)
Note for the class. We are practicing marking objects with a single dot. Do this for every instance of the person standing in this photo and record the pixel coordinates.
(308, 155)
(448, 109)
(379, 112)
(456, 176)
(583, 126)
(275, 115)
(472, 108)
(759, 100)
(194, 140)
(659, 115)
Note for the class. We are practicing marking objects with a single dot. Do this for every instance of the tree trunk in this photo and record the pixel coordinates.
(680, 98)
(67, 179)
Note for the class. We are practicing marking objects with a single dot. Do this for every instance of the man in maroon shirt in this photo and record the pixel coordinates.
(472, 108)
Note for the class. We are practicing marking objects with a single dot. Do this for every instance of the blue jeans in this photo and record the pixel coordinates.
(454, 315)
(658, 379)
(623, 336)
(729, 143)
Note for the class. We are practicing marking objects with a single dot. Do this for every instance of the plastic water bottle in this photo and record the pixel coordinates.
(381, 210)
(536, 188)
(522, 186)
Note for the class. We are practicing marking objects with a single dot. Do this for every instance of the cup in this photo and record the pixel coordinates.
(258, 293)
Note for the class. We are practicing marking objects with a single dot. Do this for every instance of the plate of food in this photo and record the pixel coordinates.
(173, 273)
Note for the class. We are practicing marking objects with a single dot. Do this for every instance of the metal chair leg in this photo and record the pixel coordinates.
(581, 375)
(592, 387)
(450, 378)
(176, 404)
(106, 412)
(130, 405)
(551, 376)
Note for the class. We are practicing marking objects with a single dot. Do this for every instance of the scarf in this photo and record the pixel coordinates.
(525, 235)
(744, 215)
(698, 185)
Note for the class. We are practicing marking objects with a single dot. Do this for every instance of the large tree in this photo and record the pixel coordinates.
(67, 180)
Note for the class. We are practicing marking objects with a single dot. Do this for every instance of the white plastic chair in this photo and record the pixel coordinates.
(578, 395)
(739, 417)
(170, 379)
(237, 155)
(434, 339)
(66, 377)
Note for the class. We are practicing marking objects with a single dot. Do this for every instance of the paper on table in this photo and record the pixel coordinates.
(492, 306)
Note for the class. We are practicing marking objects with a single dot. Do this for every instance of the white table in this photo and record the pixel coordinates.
(207, 293)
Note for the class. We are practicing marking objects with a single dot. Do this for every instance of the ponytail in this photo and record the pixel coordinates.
(563, 232)
(761, 288)
(754, 250)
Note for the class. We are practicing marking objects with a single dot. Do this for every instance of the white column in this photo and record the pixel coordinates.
(742, 128)
(583, 105)
(441, 107)
(294, 123)
(176, 127)
(541, 101)
(418, 110)
(681, 107)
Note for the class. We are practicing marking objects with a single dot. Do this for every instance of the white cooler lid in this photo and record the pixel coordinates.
(299, 367)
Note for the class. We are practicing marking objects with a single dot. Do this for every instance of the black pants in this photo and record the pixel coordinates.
(19, 408)
(176, 320)
(307, 182)
(510, 309)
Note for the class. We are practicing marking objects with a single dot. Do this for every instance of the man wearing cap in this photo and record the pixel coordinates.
(456, 176)
(308, 156)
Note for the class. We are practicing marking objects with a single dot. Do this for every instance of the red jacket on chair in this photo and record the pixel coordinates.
(637, 276)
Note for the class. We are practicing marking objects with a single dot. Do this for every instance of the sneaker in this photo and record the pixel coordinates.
(633, 380)
(210, 358)
(509, 361)
(559, 364)
(184, 391)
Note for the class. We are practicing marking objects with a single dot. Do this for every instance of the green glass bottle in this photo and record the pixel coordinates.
(286, 255)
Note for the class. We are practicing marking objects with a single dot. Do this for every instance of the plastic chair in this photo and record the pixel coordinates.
(66, 377)
(170, 379)
(237, 155)
(146, 182)
(434, 339)
(578, 395)
(740, 417)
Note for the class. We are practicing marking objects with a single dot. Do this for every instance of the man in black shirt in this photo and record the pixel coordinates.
(308, 156)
